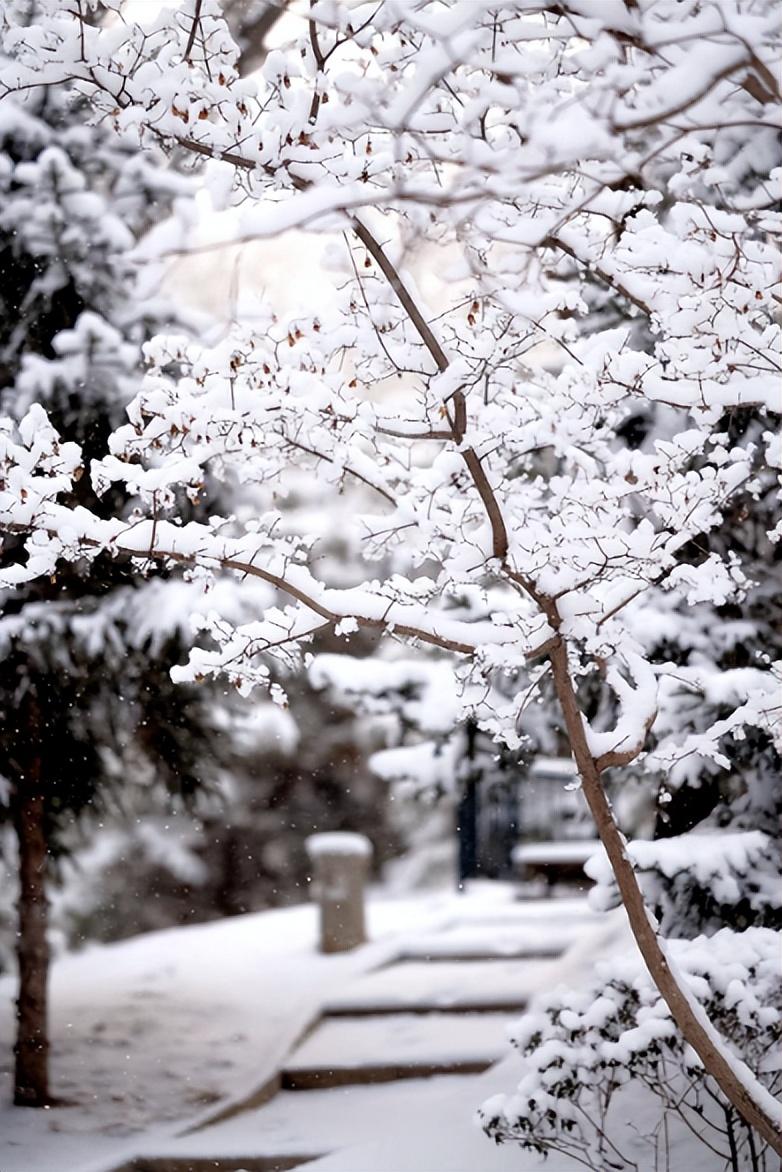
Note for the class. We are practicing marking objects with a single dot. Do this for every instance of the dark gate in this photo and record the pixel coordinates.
(487, 818)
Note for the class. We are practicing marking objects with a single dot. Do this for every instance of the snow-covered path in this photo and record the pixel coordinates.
(154, 1033)
(400, 1042)
(156, 1030)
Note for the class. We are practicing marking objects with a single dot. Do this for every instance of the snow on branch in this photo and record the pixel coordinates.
(583, 163)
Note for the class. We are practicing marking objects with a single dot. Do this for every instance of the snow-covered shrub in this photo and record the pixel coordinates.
(708, 877)
(609, 1080)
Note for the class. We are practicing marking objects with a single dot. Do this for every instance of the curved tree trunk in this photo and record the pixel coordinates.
(31, 1070)
(734, 1079)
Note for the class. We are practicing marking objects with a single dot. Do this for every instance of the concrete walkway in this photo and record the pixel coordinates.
(408, 1030)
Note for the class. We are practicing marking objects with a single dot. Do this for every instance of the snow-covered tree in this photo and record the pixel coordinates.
(146, 860)
(86, 700)
(251, 22)
(542, 150)
(719, 813)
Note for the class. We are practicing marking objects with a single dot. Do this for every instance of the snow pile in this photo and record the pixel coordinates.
(428, 766)
(574, 851)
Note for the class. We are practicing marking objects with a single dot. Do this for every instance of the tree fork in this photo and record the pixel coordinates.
(641, 922)
(31, 1051)
(611, 837)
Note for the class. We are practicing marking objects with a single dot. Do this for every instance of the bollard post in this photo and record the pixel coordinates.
(340, 863)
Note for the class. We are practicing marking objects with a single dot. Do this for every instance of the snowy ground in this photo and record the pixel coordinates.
(156, 1034)
(160, 1028)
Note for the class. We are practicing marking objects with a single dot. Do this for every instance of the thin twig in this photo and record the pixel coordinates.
(193, 30)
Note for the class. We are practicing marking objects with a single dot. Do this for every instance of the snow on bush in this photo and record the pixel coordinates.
(709, 878)
(585, 1048)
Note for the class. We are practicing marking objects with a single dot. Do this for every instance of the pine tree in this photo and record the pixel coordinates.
(85, 695)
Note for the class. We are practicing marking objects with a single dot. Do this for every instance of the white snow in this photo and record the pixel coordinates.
(154, 1034)
(404, 1038)
(338, 843)
(163, 1027)
(576, 851)
(434, 1130)
(445, 985)
(418, 1125)
(476, 942)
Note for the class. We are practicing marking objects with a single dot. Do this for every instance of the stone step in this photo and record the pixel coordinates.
(318, 1078)
(281, 1163)
(386, 1048)
(441, 951)
(520, 939)
(530, 913)
(474, 954)
(463, 987)
(509, 1007)
(327, 1119)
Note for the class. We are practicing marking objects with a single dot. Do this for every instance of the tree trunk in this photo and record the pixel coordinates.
(758, 1108)
(750, 1100)
(31, 1072)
